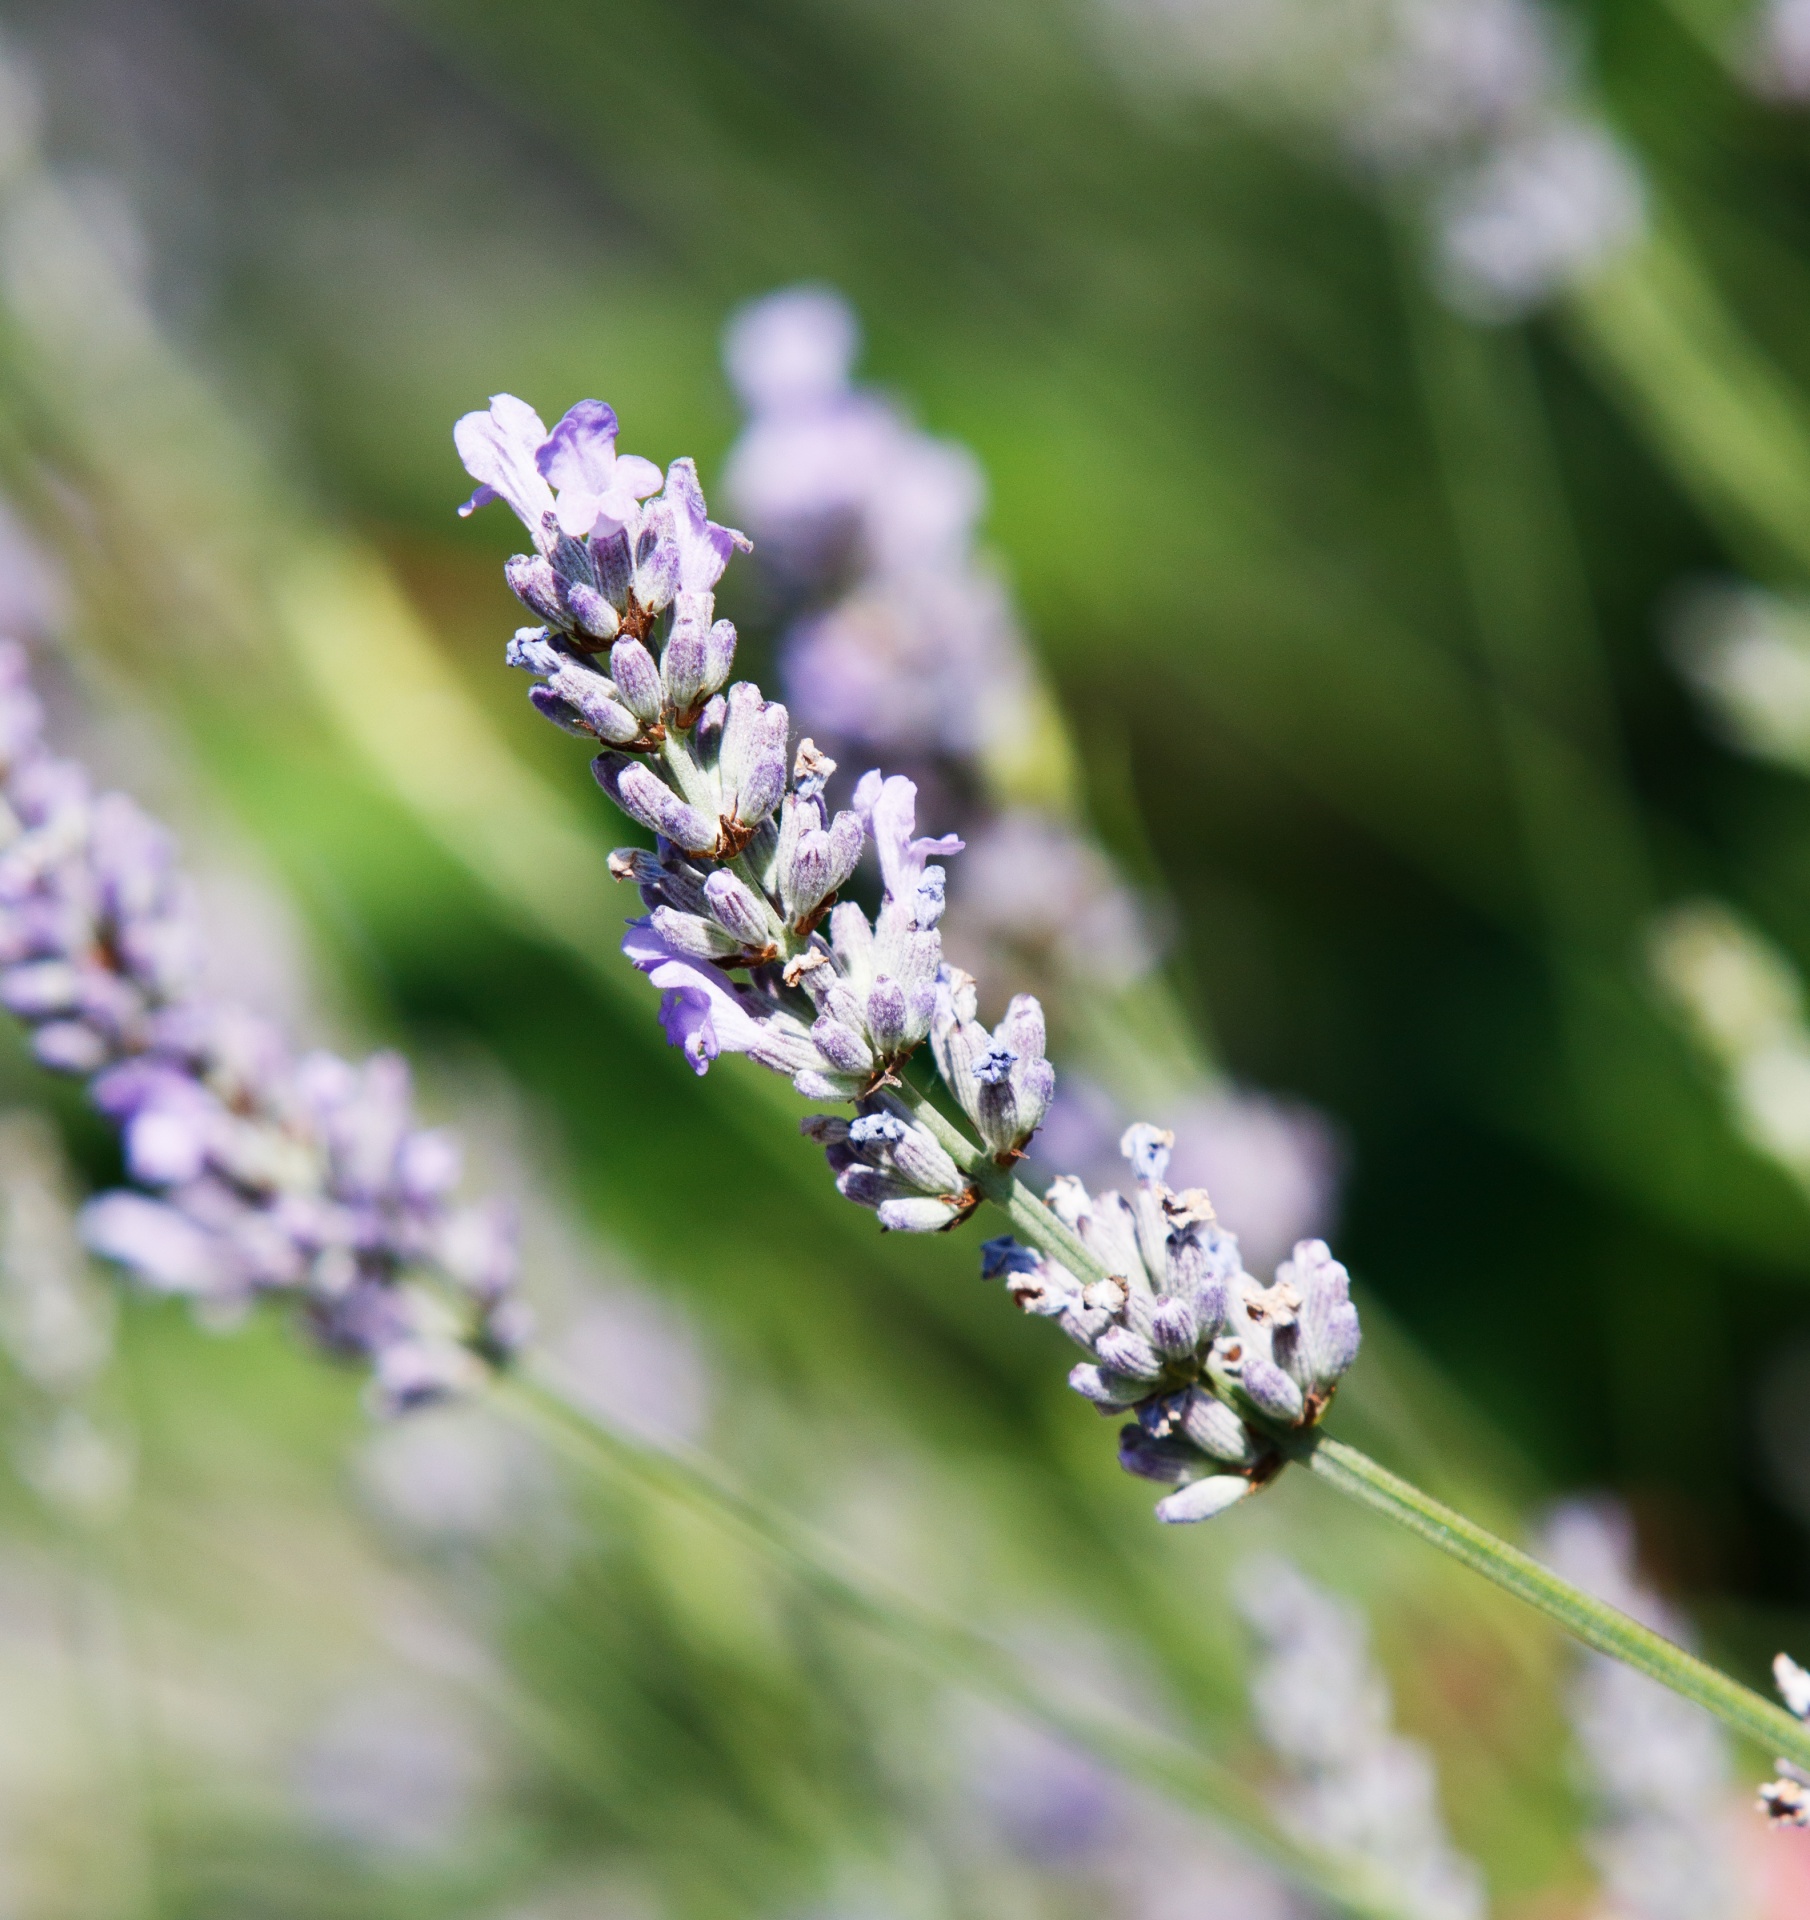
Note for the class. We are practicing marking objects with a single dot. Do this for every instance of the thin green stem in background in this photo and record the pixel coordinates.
(538, 1398)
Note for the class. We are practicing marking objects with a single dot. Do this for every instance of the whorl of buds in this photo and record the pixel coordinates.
(1213, 1367)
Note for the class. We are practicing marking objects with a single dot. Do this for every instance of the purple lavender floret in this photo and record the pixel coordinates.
(256, 1172)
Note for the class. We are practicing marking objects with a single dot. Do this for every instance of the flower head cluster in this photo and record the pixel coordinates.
(753, 952)
(258, 1172)
(1355, 1787)
(1213, 1366)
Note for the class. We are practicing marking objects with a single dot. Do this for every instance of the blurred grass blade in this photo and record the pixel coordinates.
(957, 1653)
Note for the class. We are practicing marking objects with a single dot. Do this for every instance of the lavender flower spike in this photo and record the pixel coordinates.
(753, 952)
(256, 1172)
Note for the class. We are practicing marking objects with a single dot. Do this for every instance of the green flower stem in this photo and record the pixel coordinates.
(537, 1398)
(1728, 421)
(1355, 1474)
(1596, 1624)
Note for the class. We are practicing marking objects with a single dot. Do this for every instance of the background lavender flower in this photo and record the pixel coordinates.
(257, 1171)
(1654, 1767)
(1351, 1784)
(899, 635)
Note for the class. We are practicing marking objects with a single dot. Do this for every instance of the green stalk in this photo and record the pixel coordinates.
(1598, 1625)
(537, 1398)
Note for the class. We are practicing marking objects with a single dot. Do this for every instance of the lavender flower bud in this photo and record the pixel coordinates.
(1196, 1259)
(734, 907)
(1170, 1460)
(592, 697)
(887, 1016)
(637, 681)
(530, 578)
(1175, 1328)
(719, 654)
(40, 988)
(919, 1157)
(1323, 1341)
(816, 1084)
(874, 1186)
(917, 1214)
(564, 715)
(1129, 1353)
(844, 1049)
(1203, 1499)
(763, 783)
(656, 577)
(804, 873)
(1105, 1389)
(593, 615)
(691, 934)
(1270, 1390)
(69, 1046)
(644, 797)
(1216, 1430)
(751, 762)
(684, 666)
(614, 564)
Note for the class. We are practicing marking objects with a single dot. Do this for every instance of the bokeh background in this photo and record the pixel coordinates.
(1420, 658)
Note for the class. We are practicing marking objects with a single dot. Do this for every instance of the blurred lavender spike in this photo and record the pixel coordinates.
(1655, 1767)
(256, 1172)
(897, 634)
(1352, 1785)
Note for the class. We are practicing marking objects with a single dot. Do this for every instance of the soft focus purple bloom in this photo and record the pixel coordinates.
(269, 1172)
(794, 349)
(166, 1250)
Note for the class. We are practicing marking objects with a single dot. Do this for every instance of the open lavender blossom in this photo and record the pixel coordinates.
(255, 1172)
(753, 952)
